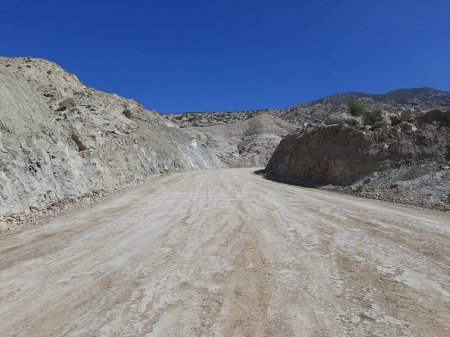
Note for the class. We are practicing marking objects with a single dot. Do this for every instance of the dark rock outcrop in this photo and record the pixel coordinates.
(342, 155)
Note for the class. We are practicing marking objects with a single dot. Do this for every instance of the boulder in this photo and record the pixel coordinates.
(406, 115)
(408, 127)
(66, 104)
(374, 116)
(395, 118)
(442, 117)
(342, 119)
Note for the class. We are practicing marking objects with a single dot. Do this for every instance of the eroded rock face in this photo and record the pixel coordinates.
(237, 139)
(342, 155)
(59, 139)
(335, 154)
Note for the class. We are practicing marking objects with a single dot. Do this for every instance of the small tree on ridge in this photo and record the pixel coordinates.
(356, 107)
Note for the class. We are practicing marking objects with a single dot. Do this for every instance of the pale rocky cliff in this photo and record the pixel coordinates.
(60, 139)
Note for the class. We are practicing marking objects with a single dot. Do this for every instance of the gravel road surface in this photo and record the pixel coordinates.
(229, 253)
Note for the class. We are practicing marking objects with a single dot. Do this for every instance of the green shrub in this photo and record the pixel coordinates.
(356, 107)
(380, 125)
(127, 113)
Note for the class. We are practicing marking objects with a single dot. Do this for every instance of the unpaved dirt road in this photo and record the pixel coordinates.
(228, 253)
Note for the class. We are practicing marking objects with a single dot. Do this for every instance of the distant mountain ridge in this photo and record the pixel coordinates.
(248, 138)
(419, 99)
(412, 96)
(409, 96)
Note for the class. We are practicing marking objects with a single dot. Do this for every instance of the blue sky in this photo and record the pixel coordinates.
(176, 56)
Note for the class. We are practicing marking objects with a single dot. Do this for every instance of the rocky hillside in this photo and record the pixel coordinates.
(61, 140)
(401, 156)
(397, 149)
(249, 138)
(237, 139)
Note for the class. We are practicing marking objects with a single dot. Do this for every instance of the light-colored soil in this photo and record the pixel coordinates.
(228, 253)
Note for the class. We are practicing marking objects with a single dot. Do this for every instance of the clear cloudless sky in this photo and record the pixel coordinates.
(208, 55)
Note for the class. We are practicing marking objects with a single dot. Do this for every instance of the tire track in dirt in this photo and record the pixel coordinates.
(228, 253)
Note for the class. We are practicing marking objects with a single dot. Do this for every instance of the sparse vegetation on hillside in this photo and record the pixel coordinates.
(127, 113)
(356, 107)
(380, 125)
